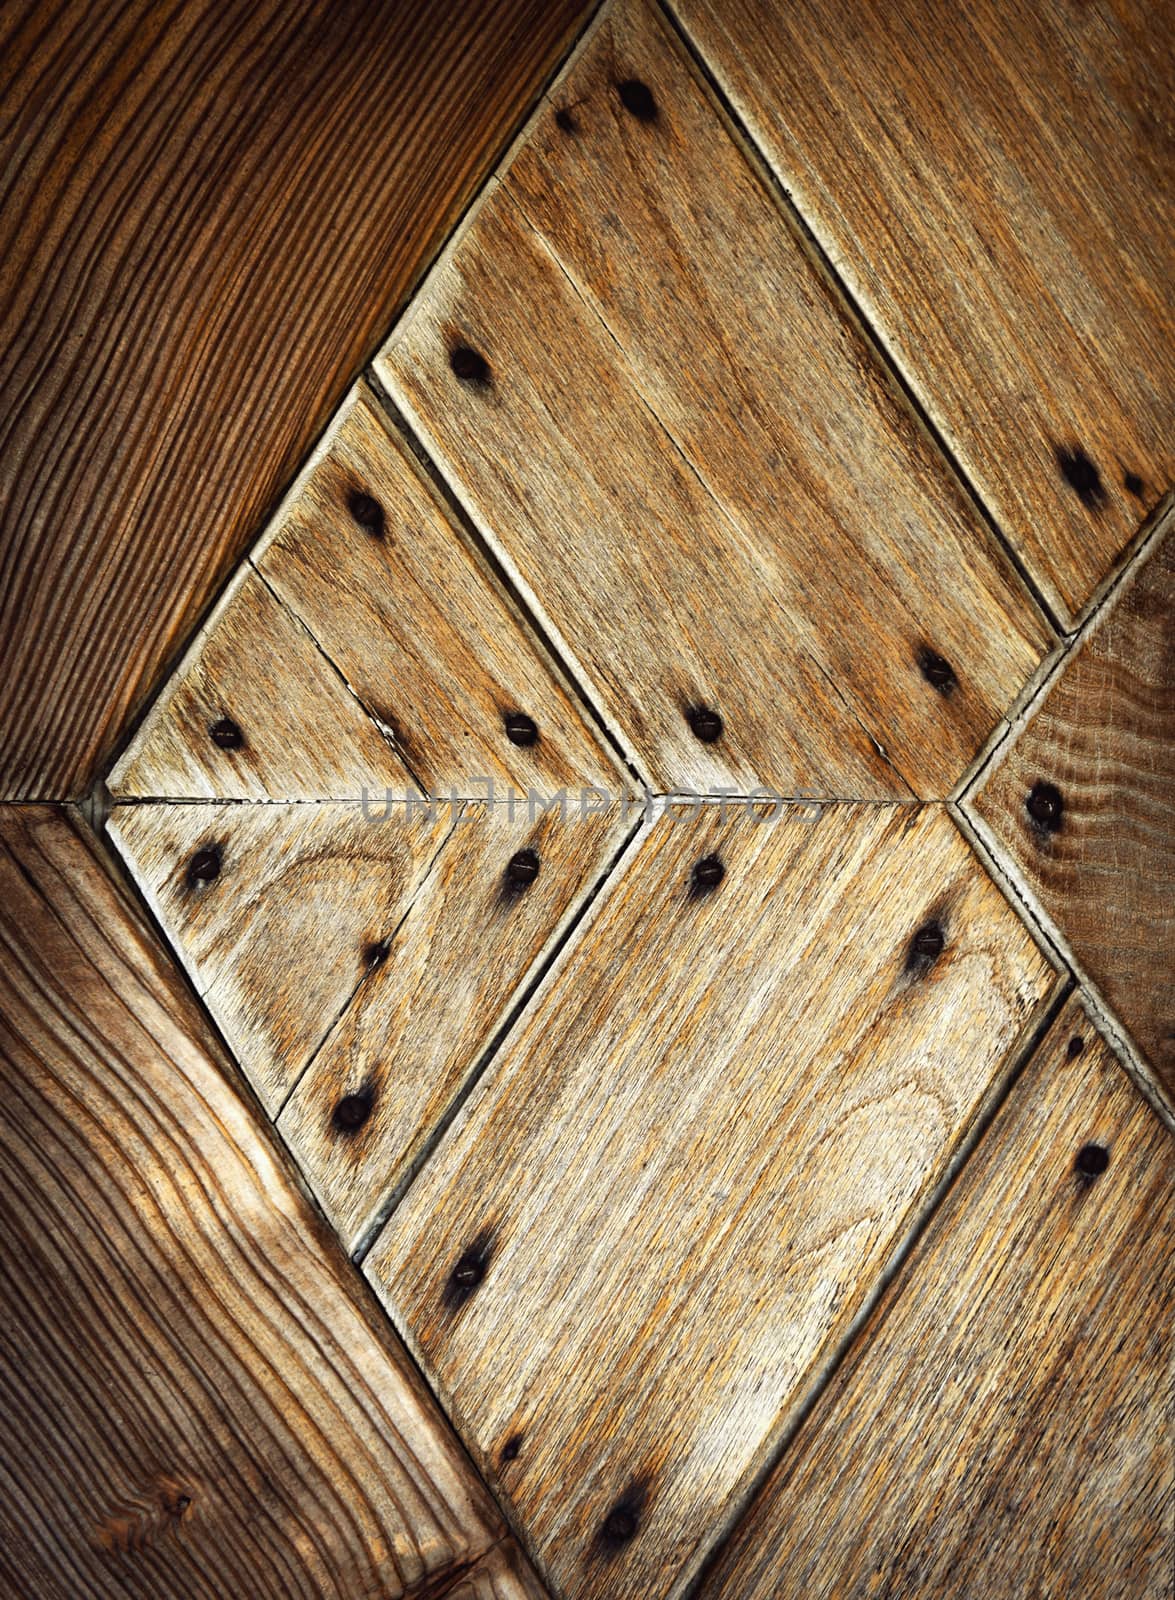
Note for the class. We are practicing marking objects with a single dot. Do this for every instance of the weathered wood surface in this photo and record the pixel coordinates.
(688, 452)
(425, 1013)
(255, 711)
(1002, 1425)
(211, 213)
(195, 1400)
(995, 184)
(670, 1194)
(374, 564)
(1080, 805)
(278, 940)
(503, 1574)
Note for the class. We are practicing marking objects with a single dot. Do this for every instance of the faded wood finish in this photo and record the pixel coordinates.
(686, 449)
(667, 1199)
(254, 712)
(1002, 1425)
(1100, 861)
(278, 941)
(374, 564)
(195, 1400)
(211, 213)
(423, 1016)
(995, 185)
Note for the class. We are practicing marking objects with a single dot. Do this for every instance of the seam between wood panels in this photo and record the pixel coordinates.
(368, 1304)
(498, 152)
(738, 1504)
(566, 938)
(541, 635)
(889, 364)
(365, 977)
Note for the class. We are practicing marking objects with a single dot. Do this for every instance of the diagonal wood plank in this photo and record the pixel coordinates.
(196, 1402)
(1079, 803)
(687, 451)
(503, 1574)
(277, 912)
(369, 558)
(255, 712)
(670, 1195)
(1003, 1423)
(995, 185)
(450, 978)
(210, 214)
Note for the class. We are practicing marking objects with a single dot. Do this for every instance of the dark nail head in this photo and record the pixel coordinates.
(705, 724)
(928, 942)
(623, 1520)
(468, 1272)
(565, 122)
(352, 1111)
(375, 953)
(469, 365)
(367, 512)
(1133, 484)
(523, 867)
(1092, 1160)
(226, 735)
(1045, 806)
(636, 97)
(936, 669)
(204, 865)
(708, 873)
(520, 729)
(1081, 475)
(1076, 1046)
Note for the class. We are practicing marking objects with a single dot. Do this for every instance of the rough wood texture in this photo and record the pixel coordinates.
(279, 940)
(668, 1197)
(503, 1574)
(255, 711)
(1002, 1425)
(687, 451)
(995, 184)
(1102, 741)
(409, 615)
(195, 1402)
(423, 1016)
(211, 212)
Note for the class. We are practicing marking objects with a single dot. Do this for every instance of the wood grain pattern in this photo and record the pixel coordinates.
(503, 1574)
(995, 185)
(195, 1400)
(423, 1016)
(671, 1192)
(279, 940)
(692, 459)
(1003, 1423)
(1103, 740)
(295, 731)
(408, 613)
(211, 212)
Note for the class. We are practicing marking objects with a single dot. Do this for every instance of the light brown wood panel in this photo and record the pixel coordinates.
(255, 711)
(302, 900)
(995, 185)
(1002, 1425)
(368, 556)
(693, 459)
(670, 1194)
(195, 1401)
(422, 1018)
(1080, 804)
(211, 213)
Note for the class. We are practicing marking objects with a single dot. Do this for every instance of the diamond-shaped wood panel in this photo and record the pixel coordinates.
(556, 817)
